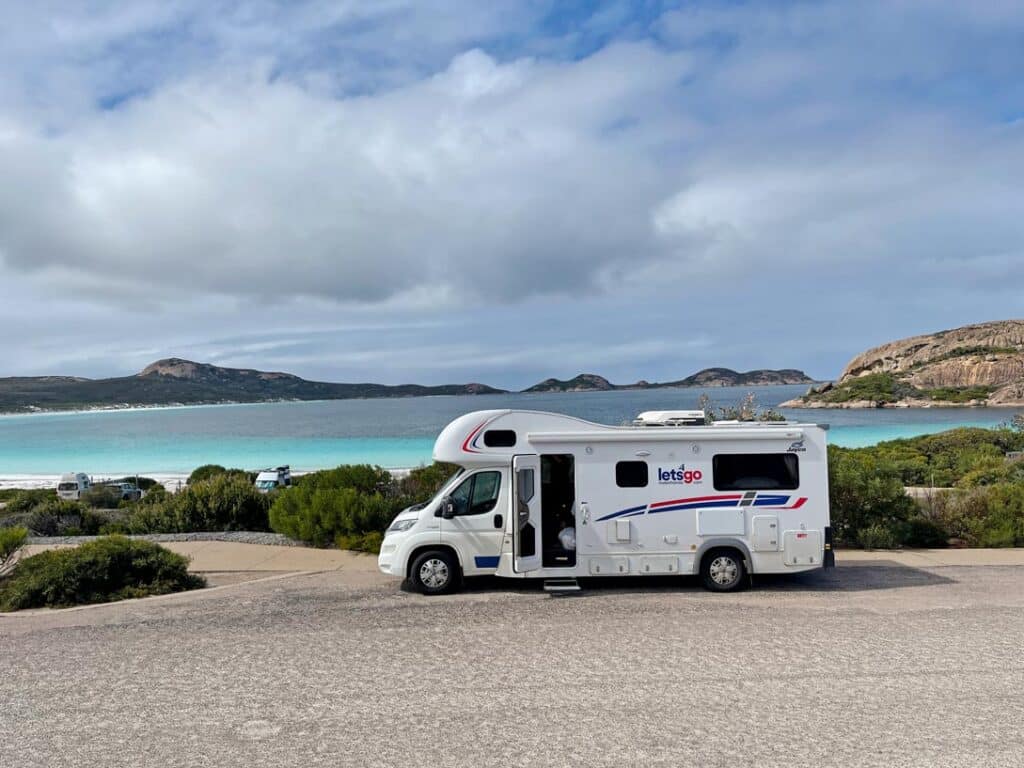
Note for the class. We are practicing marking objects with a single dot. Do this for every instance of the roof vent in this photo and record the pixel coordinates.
(670, 419)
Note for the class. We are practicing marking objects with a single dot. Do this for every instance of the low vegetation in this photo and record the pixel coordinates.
(12, 539)
(223, 502)
(107, 569)
(885, 388)
(979, 501)
(352, 505)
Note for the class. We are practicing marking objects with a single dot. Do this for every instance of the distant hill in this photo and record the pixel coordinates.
(709, 377)
(175, 381)
(979, 364)
(584, 382)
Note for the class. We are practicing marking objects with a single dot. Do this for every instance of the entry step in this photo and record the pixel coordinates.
(561, 586)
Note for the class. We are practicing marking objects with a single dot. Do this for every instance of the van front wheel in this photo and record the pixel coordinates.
(722, 570)
(435, 572)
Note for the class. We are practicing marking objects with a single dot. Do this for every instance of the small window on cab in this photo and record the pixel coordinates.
(756, 471)
(499, 438)
(631, 474)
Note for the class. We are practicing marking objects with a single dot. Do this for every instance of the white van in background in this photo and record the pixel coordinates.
(270, 479)
(542, 495)
(72, 485)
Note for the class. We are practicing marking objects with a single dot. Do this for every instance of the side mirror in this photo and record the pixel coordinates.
(447, 508)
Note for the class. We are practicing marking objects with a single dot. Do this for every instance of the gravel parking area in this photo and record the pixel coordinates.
(872, 665)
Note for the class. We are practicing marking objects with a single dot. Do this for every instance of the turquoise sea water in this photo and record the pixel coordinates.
(392, 433)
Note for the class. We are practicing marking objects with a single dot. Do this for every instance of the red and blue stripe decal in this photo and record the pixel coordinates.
(469, 444)
(761, 500)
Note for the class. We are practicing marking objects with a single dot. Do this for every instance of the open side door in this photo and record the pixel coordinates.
(526, 503)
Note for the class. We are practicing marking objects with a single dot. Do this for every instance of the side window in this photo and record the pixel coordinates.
(477, 494)
(631, 474)
(485, 492)
(460, 496)
(499, 438)
(756, 472)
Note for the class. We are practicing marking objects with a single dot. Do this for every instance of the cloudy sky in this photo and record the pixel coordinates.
(449, 191)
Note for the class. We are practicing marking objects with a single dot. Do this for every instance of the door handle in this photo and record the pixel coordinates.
(584, 513)
(499, 521)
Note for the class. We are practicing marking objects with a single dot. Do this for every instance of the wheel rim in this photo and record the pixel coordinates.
(724, 571)
(434, 573)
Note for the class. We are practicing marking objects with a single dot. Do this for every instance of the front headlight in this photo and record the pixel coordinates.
(401, 525)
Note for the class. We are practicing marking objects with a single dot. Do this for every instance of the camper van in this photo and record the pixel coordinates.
(72, 485)
(548, 496)
(270, 479)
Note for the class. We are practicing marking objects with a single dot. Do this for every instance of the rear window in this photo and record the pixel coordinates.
(67, 487)
(756, 472)
(631, 474)
(499, 438)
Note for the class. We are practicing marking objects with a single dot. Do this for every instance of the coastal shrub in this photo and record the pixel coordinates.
(984, 516)
(864, 492)
(54, 517)
(878, 536)
(108, 569)
(423, 482)
(224, 502)
(102, 497)
(943, 459)
(992, 473)
(320, 515)
(364, 478)
(209, 471)
(26, 500)
(11, 541)
(923, 532)
(879, 388)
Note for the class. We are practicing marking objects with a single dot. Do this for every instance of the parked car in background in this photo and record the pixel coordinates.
(270, 479)
(72, 485)
(127, 491)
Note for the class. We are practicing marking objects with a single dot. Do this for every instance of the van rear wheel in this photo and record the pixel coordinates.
(434, 572)
(722, 570)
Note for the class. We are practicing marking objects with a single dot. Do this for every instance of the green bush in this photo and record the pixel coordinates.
(986, 516)
(26, 500)
(102, 497)
(864, 493)
(55, 517)
(209, 471)
(11, 541)
(364, 478)
(423, 482)
(923, 532)
(320, 515)
(878, 536)
(108, 569)
(224, 502)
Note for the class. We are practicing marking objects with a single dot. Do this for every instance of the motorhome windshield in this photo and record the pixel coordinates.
(67, 487)
(443, 487)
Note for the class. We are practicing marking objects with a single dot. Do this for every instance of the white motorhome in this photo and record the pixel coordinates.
(543, 495)
(72, 485)
(270, 479)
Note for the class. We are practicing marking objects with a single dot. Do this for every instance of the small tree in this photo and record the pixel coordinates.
(1017, 423)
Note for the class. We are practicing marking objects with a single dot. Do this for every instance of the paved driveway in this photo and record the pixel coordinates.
(877, 664)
